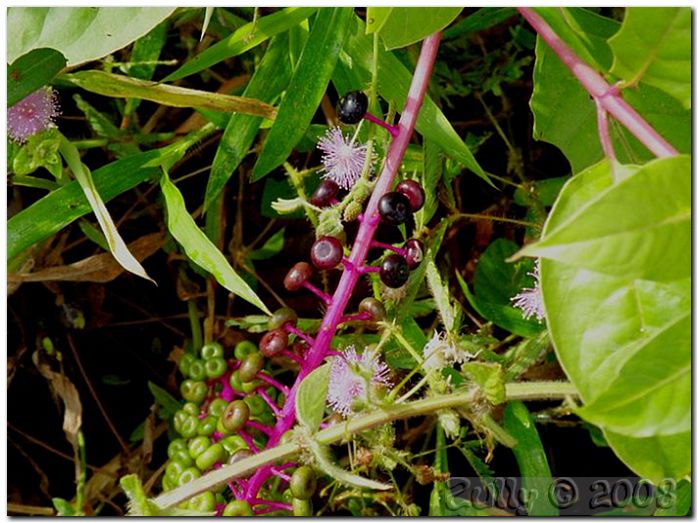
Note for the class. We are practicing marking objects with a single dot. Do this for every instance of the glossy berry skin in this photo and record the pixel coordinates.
(414, 253)
(373, 307)
(281, 317)
(326, 253)
(394, 208)
(298, 274)
(273, 343)
(414, 193)
(325, 193)
(236, 415)
(352, 107)
(303, 483)
(394, 271)
(251, 365)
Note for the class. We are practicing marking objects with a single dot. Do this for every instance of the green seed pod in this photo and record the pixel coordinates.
(198, 445)
(251, 365)
(212, 350)
(197, 371)
(204, 502)
(212, 455)
(238, 508)
(207, 426)
(217, 406)
(189, 474)
(281, 317)
(352, 211)
(302, 507)
(303, 483)
(244, 349)
(235, 415)
(215, 367)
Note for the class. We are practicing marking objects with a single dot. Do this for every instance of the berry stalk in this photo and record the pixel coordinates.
(320, 348)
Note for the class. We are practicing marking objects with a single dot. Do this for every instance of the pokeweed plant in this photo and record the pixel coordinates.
(608, 287)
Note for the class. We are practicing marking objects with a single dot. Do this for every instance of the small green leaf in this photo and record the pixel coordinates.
(31, 71)
(530, 456)
(653, 46)
(120, 86)
(311, 398)
(402, 26)
(170, 405)
(207, 18)
(40, 150)
(199, 248)
(306, 88)
(63, 507)
(442, 296)
(271, 247)
(489, 377)
(482, 19)
(242, 40)
(81, 34)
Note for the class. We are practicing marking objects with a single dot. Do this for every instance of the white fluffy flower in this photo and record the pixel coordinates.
(351, 374)
(529, 300)
(440, 352)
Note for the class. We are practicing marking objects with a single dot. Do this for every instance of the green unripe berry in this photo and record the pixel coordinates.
(235, 382)
(212, 350)
(183, 458)
(194, 391)
(173, 470)
(185, 362)
(302, 507)
(198, 445)
(197, 370)
(191, 408)
(233, 443)
(238, 508)
(281, 317)
(251, 365)
(185, 424)
(204, 502)
(244, 349)
(207, 426)
(235, 415)
(215, 367)
(257, 406)
(175, 446)
(251, 386)
(212, 455)
(189, 474)
(217, 406)
(303, 483)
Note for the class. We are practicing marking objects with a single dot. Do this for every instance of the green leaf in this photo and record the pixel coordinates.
(40, 150)
(31, 71)
(207, 18)
(393, 85)
(442, 296)
(402, 26)
(482, 19)
(199, 248)
(170, 405)
(653, 46)
(489, 377)
(57, 209)
(81, 34)
(607, 235)
(117, 246)
(63, 507)
(271, 247)
(268, 81)
(242, 40)
(530, 456)
(306, 88)
(311, 398)
(675, 500)
(624, 342)
(121, 86)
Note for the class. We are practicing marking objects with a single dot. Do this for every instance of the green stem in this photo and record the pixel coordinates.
(196, 336)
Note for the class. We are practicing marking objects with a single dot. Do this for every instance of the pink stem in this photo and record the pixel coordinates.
(302, 335)
(248, 439)
(259, 426)
(272, 404)
(360, 269)
(604, 134)
(228, 393)
(292, 356)
(597, 87)
(364, 237)
(281, 475)
(271, 381)
(394, 131)
(359, 316)
(320, 294)
(381, 245)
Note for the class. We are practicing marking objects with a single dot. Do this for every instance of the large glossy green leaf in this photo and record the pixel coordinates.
(199, 248)
(624, 342)
(244, 39)
(80, 33)
(121, 86)
(393, 84)
(268, 81)
(482, 19)
(31, 71)
(653, 46)
(57, 209)
(306, 88)
(607, 235)
(401, 26)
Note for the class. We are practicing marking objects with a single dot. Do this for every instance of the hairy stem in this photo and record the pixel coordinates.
(606, 95)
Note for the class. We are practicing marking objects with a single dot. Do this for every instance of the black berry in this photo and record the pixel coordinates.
(394, 271)
(325, 193)
(298, 274)
(414, 193)
(326, 252)
(352, 107)
(394, 208)
(414, 253)
(273, 343)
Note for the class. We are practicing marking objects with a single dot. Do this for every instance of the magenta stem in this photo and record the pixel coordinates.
(394, 131)
(248, 440)
(281, 475)
(302, 335)
(381, 245)
(272, 404)
(367, 229)
(227, 393)
(320, 294)
(271, 381)
(292, 356)
(599, 89)
(360, 269)
(259, 426)
(359, 316)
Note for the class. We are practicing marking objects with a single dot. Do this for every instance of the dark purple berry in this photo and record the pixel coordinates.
(394, 208)
(394, 271)
(273, 343)
(352, 107)
(325, 193)
(414, 193)
(414, 253)
(326, 252)
(373, 307)
(298, 274)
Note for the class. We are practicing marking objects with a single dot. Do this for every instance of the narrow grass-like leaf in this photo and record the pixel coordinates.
(268, 81)
(117, 246)
(244, 39)
(271, 247)
(482, 19)
(120, 86)
(307, 86)
(199, 248)
(207, 20)
(530, 456)
(31, 71)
